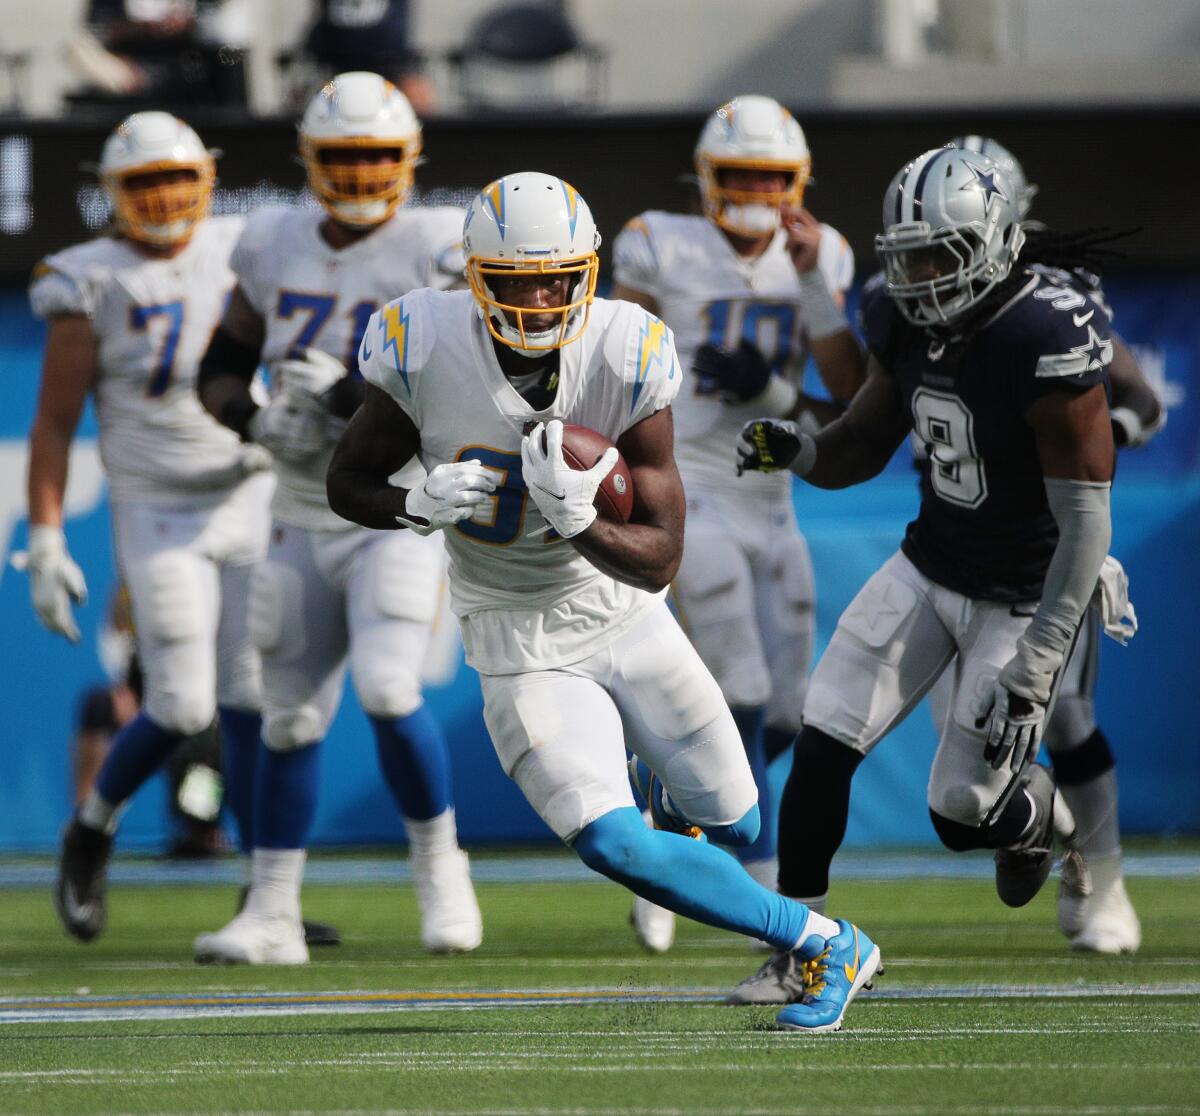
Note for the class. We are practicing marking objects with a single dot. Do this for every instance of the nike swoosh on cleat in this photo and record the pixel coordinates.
(1082, 319)
(77, 912)
(852, 971)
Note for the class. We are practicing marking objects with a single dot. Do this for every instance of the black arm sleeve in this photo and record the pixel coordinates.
(345, 397)
(226, 356)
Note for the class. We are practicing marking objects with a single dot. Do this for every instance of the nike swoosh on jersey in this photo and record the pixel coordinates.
(852, 971)
(1082, 319)
(366, 350)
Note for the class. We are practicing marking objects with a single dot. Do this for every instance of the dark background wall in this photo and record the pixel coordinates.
(1128, 167)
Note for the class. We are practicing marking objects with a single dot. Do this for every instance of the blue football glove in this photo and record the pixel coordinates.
(733, 375)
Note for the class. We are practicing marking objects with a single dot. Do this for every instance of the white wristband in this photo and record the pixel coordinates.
(777, 398)
(807, 457)
(47, 543)
(823, 317)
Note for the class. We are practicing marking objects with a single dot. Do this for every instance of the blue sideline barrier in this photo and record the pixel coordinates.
(1148, 699)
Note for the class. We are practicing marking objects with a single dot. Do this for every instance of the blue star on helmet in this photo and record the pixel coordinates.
(985, 180)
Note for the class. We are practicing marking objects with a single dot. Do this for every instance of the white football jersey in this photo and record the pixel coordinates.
(706, 292)
(152, 319)
(527, 599)
(311, 295)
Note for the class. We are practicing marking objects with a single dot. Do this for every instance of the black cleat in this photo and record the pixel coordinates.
(315, 933)
(321, 934)
(1022, 868)
(79, 891)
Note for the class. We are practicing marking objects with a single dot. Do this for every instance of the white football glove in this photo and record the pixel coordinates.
(292, 427)
(54, 579)
(1014, 729)
(313, 374)
(563, 495)
(1116, 609)
(449, 495)
(253, 459)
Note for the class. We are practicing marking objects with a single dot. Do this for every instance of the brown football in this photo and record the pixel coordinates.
(582, 448)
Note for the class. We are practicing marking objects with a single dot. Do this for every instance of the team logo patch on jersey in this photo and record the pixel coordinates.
(652, 347)
(394, 327)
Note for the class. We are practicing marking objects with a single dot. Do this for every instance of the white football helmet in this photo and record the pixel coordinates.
(754, 133)
(531, 224)
(156, 213)
(951, 234)
(357, 111)
(1008, 163)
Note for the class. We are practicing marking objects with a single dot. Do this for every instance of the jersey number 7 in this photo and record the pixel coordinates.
(164, 367)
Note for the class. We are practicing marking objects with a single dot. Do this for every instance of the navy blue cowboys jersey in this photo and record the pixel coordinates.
(985, 528)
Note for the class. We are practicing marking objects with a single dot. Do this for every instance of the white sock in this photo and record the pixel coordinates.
(434, 836)
(1105, 872)
(275, 878)
(820, 925)
(1094, 805)
(99, 813)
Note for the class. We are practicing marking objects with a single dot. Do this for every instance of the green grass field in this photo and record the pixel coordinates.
(951, 1028)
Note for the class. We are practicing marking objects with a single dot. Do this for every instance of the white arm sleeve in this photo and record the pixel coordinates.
(1081, 510)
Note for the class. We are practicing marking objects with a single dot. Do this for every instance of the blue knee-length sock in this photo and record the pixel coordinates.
(415, 762)
(285, 797)
(241, 738)
(694, 879)
(750, 725)
(139, 750)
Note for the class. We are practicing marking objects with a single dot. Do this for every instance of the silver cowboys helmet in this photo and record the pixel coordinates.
(951, 234)
(1007, 162)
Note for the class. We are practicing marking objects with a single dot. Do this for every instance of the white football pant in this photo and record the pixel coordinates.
(188, 570)
(744, 595)
(561, 735)
(322, 597)
(893, 642)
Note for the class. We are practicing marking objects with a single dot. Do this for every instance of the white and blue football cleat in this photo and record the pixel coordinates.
(848, 965)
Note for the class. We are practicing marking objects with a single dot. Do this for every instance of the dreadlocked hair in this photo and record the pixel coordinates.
(1089, 249)
(1084, 250)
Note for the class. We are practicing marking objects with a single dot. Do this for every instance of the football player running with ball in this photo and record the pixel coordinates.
(307, 282)
(1002, 373)
(562, 612)
(130, 314)
(751, 289)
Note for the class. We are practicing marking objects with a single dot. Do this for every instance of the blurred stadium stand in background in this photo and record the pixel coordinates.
(1100, 99)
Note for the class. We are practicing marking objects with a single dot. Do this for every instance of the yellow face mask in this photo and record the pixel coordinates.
(719, 200)
(358, 191)
(161, 211)
(508, 323)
